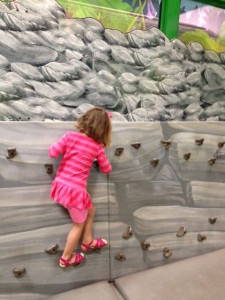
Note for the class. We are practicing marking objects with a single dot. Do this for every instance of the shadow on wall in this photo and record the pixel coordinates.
(140, 75)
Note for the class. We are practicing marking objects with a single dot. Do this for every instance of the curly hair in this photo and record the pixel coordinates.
(95, 123)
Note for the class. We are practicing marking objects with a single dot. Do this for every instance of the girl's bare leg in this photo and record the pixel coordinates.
(72, 239)
(87, 230)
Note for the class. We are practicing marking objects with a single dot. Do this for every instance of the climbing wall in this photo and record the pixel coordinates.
(163, 201)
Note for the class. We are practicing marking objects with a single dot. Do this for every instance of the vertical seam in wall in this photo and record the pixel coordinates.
(109, 236)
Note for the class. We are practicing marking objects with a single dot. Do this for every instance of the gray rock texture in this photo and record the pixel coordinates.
(140, 75)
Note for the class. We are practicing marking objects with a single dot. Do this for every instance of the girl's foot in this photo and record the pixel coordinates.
(93, 245)
(75, 259)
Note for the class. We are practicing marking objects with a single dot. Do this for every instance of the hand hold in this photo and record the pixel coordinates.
(19, 272)
(119, 151)
(52, 250)
(154, 162)
(201, 237)
(11, 152)
(119, 256)
(145, 245)
(128, 233)
(49, 168)
(167, 252)
(199, 142)
(181, 232)
(136, 145)
(187, 156)
(166, 144)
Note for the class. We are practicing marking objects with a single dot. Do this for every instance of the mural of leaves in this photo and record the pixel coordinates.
(209, 22)
(204, 39)
(135, 14)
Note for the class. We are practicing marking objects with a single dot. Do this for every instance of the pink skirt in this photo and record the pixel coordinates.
(70, 197)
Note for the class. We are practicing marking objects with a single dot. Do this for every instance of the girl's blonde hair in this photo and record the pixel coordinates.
(96, 124)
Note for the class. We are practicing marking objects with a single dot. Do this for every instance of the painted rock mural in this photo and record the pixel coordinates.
(163, 201)
(50, 65)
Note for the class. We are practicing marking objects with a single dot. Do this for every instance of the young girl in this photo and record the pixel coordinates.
(79, 150)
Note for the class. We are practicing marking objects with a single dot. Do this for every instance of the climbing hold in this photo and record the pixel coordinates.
(154, 162)
(221, 144)
(119, 151)
(167, 252)
(128, 233)
(11, 152)
(145, 245)
(181, 231)
(201, 237)
(187, 156)
(119, 256)
(136, 145)
(212, 220)
(212, 161)
(199, 142)
(19, 272)
(49, 168)
(166, 144)
(96, 164)
(52, 250)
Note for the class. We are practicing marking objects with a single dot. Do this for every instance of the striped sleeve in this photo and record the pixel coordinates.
(104, 164)
(59, 147)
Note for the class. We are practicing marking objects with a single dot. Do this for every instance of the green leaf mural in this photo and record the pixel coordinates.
(204, 39)
(112, 14)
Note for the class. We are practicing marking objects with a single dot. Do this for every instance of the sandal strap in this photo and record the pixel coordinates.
(66, 262)
(100, 243)
(78, 258)
(87, 246)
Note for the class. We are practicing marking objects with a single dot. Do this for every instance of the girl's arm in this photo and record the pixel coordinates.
(104, 164)
(57, 148)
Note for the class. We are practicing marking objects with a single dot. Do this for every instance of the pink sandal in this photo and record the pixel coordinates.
(79, 257)
(100, 243)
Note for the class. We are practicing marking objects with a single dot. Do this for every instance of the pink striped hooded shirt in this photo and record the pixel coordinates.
(79, 152)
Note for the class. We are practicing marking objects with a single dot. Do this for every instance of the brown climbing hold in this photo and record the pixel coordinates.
(187, 155)
(199, 142)
(221, 144)
(167, 252)
(119, 256)
(136, 145)
(128, 233)
(145, 245)
(201, 237)
(52, 250)
(49, 168)
(212, 220)
(19, 272)
(166, 143)
(118, 151)
(212, 161)
(11, 152)
(154, 162)
(181, 232)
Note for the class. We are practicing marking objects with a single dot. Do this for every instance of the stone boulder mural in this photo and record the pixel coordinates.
(53, 68)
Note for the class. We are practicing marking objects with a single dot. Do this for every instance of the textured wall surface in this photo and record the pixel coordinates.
(152, 188)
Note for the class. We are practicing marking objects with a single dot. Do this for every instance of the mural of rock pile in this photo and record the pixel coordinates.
(53, 68)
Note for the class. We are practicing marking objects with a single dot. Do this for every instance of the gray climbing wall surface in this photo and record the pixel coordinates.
(155, 193)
